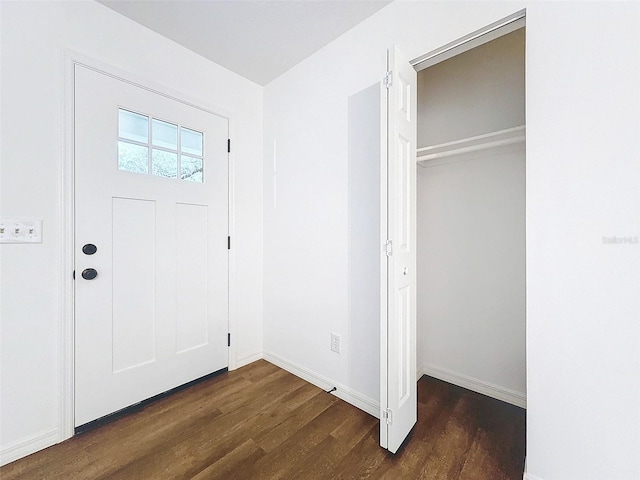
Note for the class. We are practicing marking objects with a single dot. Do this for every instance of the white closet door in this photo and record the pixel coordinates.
(398, 370)
(151, 258)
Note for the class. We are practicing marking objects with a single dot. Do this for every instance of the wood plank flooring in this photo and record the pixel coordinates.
(260, 422)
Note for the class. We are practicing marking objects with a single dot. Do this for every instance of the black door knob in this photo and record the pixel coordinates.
(89, 273)
(89, 249)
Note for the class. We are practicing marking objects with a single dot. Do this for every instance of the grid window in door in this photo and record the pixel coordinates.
(151, 146)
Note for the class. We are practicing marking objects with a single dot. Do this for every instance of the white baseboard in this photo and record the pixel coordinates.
(348, 395)
(246, 360)
(513, 397)
(28, 445)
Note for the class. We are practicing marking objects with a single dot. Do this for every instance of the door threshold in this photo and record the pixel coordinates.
(136, 407)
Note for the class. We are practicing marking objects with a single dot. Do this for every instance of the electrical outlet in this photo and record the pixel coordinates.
(335, 342)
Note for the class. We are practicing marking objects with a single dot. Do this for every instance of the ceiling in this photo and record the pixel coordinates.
(258, 39)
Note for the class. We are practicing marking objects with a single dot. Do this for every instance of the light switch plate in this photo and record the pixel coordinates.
(20, 230)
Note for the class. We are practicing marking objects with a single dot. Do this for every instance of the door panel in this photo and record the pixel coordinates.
(156, 315)
(191, 277)
(134, 286)
(399, 370)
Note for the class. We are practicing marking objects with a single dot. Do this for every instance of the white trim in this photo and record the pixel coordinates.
(348, 395)
(383, 259)
(513, 397)
(442, 154)
(66, 340)
(146, 84)
(28, 445)
(247, 359)
(472, 40)
(231, 278)
(67, 332)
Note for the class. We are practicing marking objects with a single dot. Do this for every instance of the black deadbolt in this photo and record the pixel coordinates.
(89, 273)
(89, 249)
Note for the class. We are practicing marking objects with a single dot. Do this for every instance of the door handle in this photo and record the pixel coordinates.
(89, 273)
(89, 249)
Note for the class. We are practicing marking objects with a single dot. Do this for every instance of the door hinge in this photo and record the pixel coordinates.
(388, 79)
(228, 145)
(387, 416)
(228, 339)
(74, 274)
(228, 243)
(388, 248)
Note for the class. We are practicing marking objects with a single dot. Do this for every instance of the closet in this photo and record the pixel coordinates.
(471, 219)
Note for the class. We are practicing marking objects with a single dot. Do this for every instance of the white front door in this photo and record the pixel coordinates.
(398, 370)
(151, 257)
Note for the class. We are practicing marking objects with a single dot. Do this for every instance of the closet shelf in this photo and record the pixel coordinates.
(443, 153)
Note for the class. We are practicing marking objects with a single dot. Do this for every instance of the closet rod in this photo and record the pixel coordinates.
(478, 139)
(424, 160)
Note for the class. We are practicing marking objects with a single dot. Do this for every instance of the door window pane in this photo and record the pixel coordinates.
(191, 141)
(165, 164)
(157, 147)
(133, 158)
(133, 126)
(164, 134)
(191, 168)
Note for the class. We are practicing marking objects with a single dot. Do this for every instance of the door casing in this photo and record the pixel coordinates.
(461, 45)
(66, 340)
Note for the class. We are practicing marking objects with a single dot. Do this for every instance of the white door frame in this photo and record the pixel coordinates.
(461, 45)
(472, 40)
(66, 340)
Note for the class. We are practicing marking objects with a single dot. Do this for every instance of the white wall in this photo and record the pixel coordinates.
(582, 174)
(471, 272)
(478, 91)
(471, 223)
(363, 220)
(583, 306)
(35, 36)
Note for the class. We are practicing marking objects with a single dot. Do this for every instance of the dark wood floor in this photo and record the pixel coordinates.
(260, 422)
